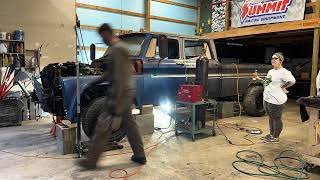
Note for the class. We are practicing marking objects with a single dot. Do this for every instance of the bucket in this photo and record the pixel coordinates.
(3, 48)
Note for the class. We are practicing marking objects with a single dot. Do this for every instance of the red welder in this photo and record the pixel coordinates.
(190, 93)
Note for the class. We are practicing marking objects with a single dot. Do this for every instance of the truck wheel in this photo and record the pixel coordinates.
(253, 101)
(89, 118)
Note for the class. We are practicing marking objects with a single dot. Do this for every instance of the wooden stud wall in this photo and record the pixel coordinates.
(147, 15)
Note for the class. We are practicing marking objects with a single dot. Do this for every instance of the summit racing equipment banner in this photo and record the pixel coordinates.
(254, 12)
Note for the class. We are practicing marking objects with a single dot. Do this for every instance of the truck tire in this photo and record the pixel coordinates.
(89, 118)
(253, 101)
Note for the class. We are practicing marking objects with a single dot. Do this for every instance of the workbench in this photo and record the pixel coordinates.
(312, 153)
(190, 116)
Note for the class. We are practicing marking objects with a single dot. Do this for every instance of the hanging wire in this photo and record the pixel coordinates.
(121, 16)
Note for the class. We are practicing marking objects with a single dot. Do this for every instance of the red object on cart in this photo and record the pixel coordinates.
(190, 93)
(54, 127)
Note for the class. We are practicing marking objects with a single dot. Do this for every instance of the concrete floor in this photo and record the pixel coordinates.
(176, 158)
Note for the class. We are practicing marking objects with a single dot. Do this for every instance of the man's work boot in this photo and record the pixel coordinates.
(140, 160)
(86, 164)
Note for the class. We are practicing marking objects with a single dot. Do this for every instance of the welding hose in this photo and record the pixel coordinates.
(271, 171)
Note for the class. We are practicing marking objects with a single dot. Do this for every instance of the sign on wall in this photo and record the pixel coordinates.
(254, 12)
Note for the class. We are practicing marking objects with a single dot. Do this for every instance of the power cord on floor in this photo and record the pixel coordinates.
(34, 156)
(171, 119)
(125, 171)
(158, 128)
(248, 130)
(51, 157)
(238, 91)
(279, 169)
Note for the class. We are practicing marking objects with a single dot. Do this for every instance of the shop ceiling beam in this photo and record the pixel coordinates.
(87, 27)
(173, 20)
(148, 14)
(118, 11)
(264, 29)
(87, 48)
(176, 4)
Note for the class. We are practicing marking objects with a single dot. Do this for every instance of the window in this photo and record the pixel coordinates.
(173, 51)
(153, 50)
(194, 49)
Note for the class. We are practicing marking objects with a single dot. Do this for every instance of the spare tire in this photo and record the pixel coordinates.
(253, 101)
(89, 117)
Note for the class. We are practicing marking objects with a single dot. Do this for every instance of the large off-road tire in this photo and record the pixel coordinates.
(253, 101)
(89, 118)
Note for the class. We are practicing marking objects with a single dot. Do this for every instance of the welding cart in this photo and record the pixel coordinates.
(190, 117)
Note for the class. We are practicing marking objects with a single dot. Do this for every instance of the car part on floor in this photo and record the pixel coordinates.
(253, 101)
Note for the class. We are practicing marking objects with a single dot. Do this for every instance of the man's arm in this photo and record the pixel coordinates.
(120, 76)
(101, 79)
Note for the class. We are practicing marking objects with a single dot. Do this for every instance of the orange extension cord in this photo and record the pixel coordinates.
(124, 171)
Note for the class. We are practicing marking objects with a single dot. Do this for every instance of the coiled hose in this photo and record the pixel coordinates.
(279, 169)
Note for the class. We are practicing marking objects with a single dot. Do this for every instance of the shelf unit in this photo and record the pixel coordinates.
(20, 55)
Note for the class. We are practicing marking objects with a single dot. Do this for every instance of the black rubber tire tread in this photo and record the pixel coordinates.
(253, 101)
(89, 118)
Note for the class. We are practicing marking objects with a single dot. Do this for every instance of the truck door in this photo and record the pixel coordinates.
(162, 76)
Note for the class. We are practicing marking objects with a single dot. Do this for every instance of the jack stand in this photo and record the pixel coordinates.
(54, 127)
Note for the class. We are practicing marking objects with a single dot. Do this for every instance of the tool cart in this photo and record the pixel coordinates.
(190, 117)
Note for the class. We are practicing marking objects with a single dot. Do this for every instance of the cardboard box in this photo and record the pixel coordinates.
(147, 109)
(145, 123)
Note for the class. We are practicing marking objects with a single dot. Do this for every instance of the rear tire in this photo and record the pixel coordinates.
(90, 116)
(253, 101)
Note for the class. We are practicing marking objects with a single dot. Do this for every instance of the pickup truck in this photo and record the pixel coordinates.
(161, 63)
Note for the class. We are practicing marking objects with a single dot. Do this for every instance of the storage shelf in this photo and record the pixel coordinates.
(11, 53)
(2, 40)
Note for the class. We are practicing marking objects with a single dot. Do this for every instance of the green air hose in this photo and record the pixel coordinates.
(278, 170)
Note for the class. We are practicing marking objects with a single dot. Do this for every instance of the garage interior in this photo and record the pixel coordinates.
(50, 50)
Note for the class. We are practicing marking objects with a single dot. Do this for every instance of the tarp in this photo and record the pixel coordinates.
(69, 91)
(254, 12)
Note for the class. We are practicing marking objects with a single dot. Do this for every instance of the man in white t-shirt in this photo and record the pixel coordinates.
(275, 95)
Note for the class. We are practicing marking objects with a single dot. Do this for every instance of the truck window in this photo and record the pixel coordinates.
(134, 44)
(193, 49)
(173, 49)
(153, 50)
